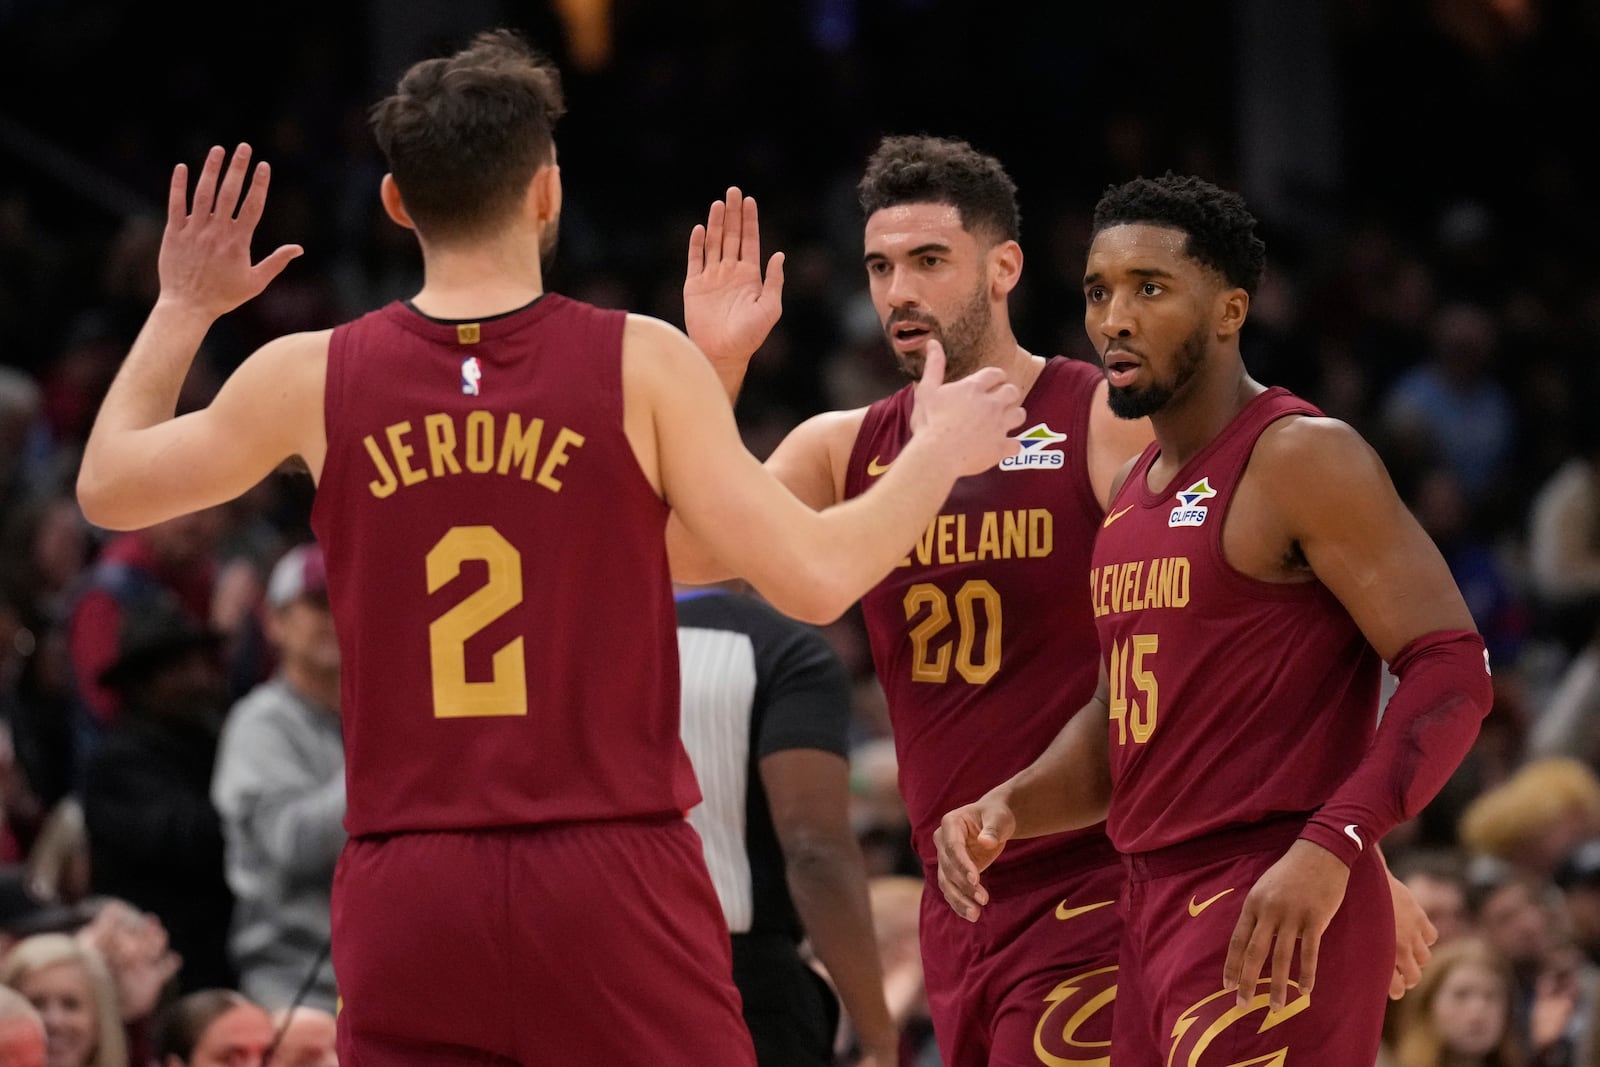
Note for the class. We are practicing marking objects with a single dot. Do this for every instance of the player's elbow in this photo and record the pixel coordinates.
(816, 595)
(98, 499)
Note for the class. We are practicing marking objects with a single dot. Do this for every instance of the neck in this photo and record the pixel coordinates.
(1194, 418)
(478, 280)
(1021, 367)
(320, 686)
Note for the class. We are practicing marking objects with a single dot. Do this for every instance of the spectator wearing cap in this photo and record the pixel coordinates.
(155, 840)
(279, 785)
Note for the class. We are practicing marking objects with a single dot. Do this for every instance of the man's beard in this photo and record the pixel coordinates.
(963, 340)
(1128, 402)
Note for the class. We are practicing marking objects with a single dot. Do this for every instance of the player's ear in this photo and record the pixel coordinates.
(389, 193)
(1005, 267)
(545, 193)
(1233, 305)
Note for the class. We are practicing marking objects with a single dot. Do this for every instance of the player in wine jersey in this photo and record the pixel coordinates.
(492, 464)
(976, 630)
(1255, 569)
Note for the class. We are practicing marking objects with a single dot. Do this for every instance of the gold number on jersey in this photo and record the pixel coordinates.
(506, 693)
(1128, 661)
(930, 665)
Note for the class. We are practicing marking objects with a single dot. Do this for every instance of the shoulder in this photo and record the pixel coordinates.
(834, 427)
(1308, 462)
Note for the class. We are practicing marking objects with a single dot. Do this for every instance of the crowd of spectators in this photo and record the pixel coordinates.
(1438, 293)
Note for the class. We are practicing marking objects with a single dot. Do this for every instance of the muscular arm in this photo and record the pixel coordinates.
(808, 794)
(810, 463)
(810, 565)
(1337, 503)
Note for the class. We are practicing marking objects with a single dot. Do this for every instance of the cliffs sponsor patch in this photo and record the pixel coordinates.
(1036, 454)
(1190, 510)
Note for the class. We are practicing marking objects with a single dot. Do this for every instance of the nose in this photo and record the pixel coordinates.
(1113, 316)
(900, 290)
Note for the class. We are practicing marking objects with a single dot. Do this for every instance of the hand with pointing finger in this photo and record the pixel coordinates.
(971, 416)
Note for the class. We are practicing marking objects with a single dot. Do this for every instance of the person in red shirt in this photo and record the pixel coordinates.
(1254, 571)
(493, 466)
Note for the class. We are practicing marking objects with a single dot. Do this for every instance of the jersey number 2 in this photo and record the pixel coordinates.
(506, 692)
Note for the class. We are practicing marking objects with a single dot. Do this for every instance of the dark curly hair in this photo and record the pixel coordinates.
(1221, 231)
(918, 169)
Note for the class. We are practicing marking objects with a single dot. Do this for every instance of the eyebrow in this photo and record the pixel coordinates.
(1095, 277)
(920, 250)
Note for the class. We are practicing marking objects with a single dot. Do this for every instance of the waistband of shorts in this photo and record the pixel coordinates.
(621, 822)
(1045, 867)
(1276, 833)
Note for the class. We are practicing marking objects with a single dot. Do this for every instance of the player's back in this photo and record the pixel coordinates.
(498, 576)
(1233, 700)
(982, 637)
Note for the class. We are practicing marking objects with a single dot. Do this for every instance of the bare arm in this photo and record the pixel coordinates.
(141, 465)
(810, 462)
(1066, 788)
(1318, 486)
(810, 565)
(808, 794)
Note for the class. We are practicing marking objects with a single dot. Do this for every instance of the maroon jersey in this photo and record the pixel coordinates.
(1233, 700)
(983, 650)
(498, 575)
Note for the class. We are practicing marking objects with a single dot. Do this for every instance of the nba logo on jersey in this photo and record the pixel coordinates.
(1190, 512)
(1036, 455)
(471, 375)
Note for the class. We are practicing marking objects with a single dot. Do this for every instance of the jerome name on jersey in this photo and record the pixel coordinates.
(479, 446)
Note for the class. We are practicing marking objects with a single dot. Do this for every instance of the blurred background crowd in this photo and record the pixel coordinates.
(170, 787)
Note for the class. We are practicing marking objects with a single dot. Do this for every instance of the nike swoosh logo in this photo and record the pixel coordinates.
(875, 468)
(1064, 912)
(1115, 515)
(1350, 832)
(1196, 909)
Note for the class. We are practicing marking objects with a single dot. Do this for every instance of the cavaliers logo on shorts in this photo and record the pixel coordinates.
(1077, 1010)
(1218, 1033)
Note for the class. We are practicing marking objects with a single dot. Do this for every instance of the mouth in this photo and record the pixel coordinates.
(1120, 368)
(909, 336)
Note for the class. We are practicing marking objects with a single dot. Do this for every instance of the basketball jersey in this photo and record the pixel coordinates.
(983, 648)
(498, 576)
(1233, 700)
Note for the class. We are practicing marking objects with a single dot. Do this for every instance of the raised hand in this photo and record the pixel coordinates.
(728, 309)
(1292, 903)
(205, 250)
(972, 416)
(967, 841)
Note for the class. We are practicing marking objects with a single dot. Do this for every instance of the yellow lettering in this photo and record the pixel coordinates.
(1152, 587)
(1094, 591)
(1180, 582)
(480, 442)
(558, 457)
(1041, 533)
(989, 537)
(386, 482)
(1016, 536)
(519, 446)
(963, 553)
(925, 543)
(402, 453)
(946, 535)
(441, 433)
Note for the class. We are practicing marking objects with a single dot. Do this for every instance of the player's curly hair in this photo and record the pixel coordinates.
(919, 169)
(1221, 231)
(463, 134)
